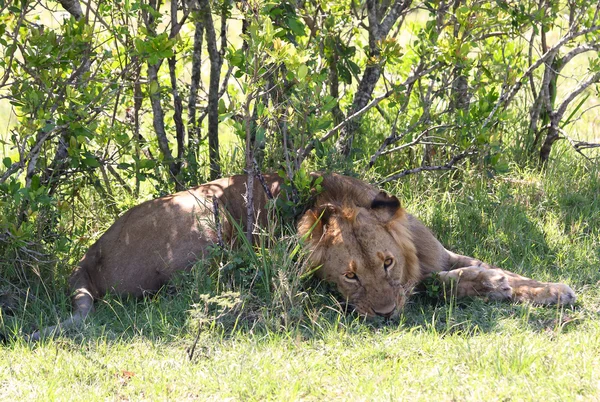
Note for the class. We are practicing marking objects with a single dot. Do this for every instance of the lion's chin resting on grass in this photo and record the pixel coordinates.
(361, 238)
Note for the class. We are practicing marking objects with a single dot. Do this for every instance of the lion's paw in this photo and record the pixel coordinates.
(478, 281)
(553, 293)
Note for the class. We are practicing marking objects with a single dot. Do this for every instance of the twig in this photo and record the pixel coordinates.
(261, 178)
(417, 139)
(447, 166)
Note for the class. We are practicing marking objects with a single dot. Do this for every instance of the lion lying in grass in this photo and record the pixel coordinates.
(363, 241)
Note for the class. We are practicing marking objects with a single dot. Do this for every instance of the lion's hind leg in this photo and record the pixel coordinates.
(498, 284)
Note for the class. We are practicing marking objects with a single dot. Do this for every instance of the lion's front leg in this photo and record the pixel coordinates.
(498, 284)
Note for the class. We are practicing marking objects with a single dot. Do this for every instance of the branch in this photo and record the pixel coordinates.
(12, 169)
(334, 130)
(218, 222)
(73, 7)
(416, 140)
(409, 81)
(580, 88)
(177, 25)
(390, 19)
(447, 166)
(503, 101)
(588, 47)
(579, 146)
(158, 120)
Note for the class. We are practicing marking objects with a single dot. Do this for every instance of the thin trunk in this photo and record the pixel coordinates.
(334, 88)
(460, 82)
(158, 120)
(361, 99)
(250, 171)
(177, 117)
(138, 139)
(382, 16)
(158, 115)
(193, 127)
(551, 137)
(213, 91)
(557, 116)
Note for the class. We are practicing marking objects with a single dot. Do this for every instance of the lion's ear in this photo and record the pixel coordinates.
(312, 224)
(388, 206)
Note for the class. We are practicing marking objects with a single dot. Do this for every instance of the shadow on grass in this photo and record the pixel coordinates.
(500, 231)
(175, 315)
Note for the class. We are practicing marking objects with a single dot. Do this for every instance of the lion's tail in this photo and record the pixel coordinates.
(82, 301)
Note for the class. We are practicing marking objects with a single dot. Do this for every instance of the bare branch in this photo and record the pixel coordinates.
(409, 81)
(588, 47)
(16, 166)
(262, 180)
(578, 90)
(505, 100)
(417, 139)
(447, 166)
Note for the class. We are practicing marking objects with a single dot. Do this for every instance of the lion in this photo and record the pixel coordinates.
(359, 239)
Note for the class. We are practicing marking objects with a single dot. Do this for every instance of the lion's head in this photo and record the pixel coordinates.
(367, 251)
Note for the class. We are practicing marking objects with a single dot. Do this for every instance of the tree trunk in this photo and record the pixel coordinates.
(158, 120)
(193, 125)
(178, 118)
(213, 92)
(382, 17)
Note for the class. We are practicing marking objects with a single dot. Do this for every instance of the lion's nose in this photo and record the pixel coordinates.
(385, 315)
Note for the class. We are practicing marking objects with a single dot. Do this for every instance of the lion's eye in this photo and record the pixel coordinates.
(351, 275)
(387, 263)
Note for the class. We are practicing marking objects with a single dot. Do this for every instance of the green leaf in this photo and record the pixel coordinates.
(568, 120)
(501, 166)
(302, 71)
(146, 164)
(353, 66)
(322, 124)
(268, 27)
(344, 74)
(222, 107)
(260, 135)
(296, 26)
(154, 88)
(35, 182)
(7, 162)
(237, 58)
(91, 161)
(329, 103)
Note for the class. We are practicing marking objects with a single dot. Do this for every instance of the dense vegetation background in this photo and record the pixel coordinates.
(106, 103)
(481, 115)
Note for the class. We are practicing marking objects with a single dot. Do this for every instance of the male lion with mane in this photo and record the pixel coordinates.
(361, 239)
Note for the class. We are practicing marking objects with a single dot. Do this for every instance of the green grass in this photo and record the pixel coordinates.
(281, 339)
